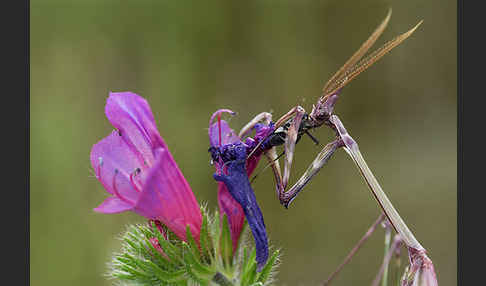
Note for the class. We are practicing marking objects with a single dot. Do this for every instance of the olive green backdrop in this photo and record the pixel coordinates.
(189, 58)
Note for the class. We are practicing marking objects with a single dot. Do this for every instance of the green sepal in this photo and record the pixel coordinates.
(161, 260)
(131, 243)
(123, 276)
(215, 231)
(267, 269)
(204, 236)
(192, 243)
(136, 274)
(212, 262)
(199, 273)
(164, 276)
(190, 259)
(245, 256)
(249, 270)
(197, 280)
(226, 244)
(173, 253)
(126, 259)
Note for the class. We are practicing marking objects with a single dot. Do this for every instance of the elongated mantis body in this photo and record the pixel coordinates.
(289, 128)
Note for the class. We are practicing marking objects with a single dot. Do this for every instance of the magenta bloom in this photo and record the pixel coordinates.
(135, 166)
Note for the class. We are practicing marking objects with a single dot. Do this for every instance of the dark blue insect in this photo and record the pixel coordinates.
(236, 180)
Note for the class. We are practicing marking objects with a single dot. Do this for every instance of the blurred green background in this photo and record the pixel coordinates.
(189, 58)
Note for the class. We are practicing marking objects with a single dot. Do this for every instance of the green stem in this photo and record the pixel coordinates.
(384, 280)
(397, 241)
(397, 267)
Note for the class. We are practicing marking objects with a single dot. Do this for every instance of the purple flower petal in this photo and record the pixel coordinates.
(113, 205)
(136, 167)
(167, 197)
(131, 115)
(228, 136)
(113, 162)
(227, 204)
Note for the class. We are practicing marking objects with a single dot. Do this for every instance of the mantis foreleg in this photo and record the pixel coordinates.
(290, 141)
(314, 167)
(264, 116)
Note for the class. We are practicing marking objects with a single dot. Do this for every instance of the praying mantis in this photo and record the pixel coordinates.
(290, 127)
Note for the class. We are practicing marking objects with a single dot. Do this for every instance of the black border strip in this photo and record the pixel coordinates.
(15, 133)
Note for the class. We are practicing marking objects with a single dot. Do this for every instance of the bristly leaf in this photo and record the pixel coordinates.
(204, 238)
(249, 269)
(266, 272)
(176, 262)
(226, 243)
(216, 231)
(240, 256)
(190, 259)
(163, 276)
(157, 255)
(192, 243)
(174, 254)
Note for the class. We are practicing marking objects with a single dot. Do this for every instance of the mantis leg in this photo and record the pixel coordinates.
(292, 133)
(287, 197)
(290, 141)
(273, 161)
(296, 110)
(267, 117)
(296, 113)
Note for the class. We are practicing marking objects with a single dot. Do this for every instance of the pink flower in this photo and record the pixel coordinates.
(135, 166)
